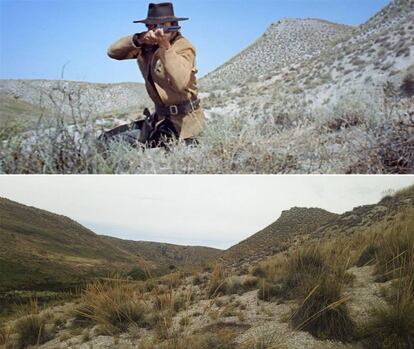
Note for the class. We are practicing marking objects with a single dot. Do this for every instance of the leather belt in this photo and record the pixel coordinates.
(178, 109)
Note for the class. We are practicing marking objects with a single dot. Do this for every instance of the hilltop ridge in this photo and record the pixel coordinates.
(279, 235)
(284, 42)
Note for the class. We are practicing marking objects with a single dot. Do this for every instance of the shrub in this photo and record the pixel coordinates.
(323, 312)
(268, 291)
(114, 304)
(233, 285)
(216, 285)
(250, 283)
(392, 325)
(259, 271)
(407, 86)
(396, 248)
(138, 274)
(32, 330)
(367, 256)
(302, 269)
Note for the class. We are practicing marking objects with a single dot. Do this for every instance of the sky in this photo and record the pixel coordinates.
(216, 211)
(54, 39)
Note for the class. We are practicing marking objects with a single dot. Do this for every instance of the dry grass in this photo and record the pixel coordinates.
(114, 304)
(315, 276)
(283, 138)
(216, 284)
(33, 327)
(396, 248)
(222, 339)
(392, 326)
(389, 246)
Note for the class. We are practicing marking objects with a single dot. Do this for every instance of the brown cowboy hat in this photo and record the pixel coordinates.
(158, 13)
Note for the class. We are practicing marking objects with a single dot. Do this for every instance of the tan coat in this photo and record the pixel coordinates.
(173, 72)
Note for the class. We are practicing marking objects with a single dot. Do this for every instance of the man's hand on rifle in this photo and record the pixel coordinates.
(148, 38)
(163, 38)
(156, 36)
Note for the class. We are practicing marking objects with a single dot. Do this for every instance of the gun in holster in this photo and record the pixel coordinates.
(148, 126)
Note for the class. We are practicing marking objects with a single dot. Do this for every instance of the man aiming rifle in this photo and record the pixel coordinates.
(167, 63)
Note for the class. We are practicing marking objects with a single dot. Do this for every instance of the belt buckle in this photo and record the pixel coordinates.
(173, 109)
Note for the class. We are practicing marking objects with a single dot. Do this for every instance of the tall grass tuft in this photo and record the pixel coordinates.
(396, 247)
(314, 275)
(32, 328)
(323, 312)
(392, 325)
(114, 304)
(217, 282)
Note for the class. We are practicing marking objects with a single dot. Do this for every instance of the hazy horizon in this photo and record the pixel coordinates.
(212, 211)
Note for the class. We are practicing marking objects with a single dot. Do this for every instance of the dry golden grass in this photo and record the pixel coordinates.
(114, 304)
(217, 281)
(33, 327)
(314, 275)
(392, 325)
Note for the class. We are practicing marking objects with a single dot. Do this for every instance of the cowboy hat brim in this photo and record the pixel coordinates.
(157, 20)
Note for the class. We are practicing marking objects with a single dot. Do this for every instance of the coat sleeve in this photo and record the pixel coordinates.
(178, 65)
(124, 48)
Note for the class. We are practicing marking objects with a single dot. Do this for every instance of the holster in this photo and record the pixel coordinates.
(148, 126)
(154, 131)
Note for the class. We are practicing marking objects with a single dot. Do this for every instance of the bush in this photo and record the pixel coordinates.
(268, 291)
(32, 330)
(138, 274)
(250, 283)
(323, 312)
(216, 285)
(259, 271)
(367, 256)
(392, 325)
(395, 248)
(114, 304)
(407, 86)
(302, 269)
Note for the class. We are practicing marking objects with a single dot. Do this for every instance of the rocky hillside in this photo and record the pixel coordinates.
(39, 249)
(298, 224)
(285, 42)
(279, 235)
(356, 64)
(341, 292)
(363, 217)
(25, 100)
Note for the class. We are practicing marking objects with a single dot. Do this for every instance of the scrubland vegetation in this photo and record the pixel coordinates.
(354, 137)
(349, 289)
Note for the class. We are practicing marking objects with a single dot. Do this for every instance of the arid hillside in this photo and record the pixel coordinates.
(285, 42)
(43, 250)
(309, 96)
(336, 288)
(278, 236)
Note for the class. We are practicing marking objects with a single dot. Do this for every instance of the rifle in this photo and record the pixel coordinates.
(171, 28)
